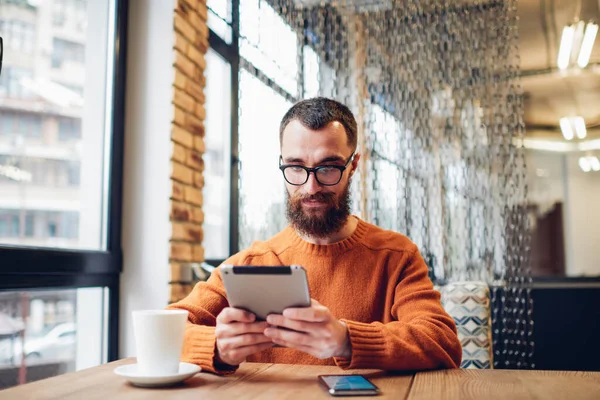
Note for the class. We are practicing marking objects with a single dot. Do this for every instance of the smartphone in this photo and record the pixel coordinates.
(348, 385)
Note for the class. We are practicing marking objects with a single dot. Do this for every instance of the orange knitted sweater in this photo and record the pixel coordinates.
(375, 281)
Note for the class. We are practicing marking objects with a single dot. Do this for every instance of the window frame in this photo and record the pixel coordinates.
(31, 268)
(231, 54)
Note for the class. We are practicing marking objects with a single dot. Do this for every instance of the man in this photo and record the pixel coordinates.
(373, 304)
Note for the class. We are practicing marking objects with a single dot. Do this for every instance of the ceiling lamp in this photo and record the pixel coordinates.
(579, 127)
(587, 45)
(565, 127)
(584, 164)
(571, 126)
(589, 163)
(575, 45)
(566, 43)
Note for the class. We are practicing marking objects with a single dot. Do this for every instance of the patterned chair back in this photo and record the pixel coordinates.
(468, 303)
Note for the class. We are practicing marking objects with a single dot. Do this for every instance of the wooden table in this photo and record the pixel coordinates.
(281, 381)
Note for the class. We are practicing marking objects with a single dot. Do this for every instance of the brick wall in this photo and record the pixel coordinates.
(187, 140)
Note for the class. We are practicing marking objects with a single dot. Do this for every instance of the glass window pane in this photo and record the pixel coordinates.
(311, 73)
(262, 196)
(221, 8)
(53, 118)
(269, 43)
(217, 157)
(219, 18)
(50, 332)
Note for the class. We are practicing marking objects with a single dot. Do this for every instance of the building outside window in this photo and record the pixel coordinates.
(56, 113)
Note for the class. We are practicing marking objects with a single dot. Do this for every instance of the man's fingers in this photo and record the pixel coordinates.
(313, 328)
(240, 353)
(291, 345)
(239, 328)
(230, 314)
(315, 313)
(249, 339)
(298, 338)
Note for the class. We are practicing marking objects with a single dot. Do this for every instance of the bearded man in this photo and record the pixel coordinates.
(373, 305)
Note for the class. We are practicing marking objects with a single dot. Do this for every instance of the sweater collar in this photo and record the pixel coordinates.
(332, 249)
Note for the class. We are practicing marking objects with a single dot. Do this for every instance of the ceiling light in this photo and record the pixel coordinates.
(584, 164)
(579, 127)
(594, 163)
(566, 42)
(587, 45)
(565, 127)
(547, 145)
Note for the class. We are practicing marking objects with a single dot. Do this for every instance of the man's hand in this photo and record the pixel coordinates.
(318, 332)
(238, 336)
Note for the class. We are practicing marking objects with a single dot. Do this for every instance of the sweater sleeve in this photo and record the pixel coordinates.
(204, 304)
(422, 335)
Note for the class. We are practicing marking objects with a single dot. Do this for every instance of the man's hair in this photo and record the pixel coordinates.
(317, 113)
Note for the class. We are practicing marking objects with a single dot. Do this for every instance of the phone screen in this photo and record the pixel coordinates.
(348, 382)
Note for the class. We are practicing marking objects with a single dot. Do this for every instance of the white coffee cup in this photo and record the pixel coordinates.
(159, 340)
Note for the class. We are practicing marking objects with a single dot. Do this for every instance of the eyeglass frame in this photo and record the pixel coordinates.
(314, 170)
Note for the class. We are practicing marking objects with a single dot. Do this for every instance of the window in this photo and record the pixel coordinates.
(60, 184)
(220, 18)
(69, 129)
(269, 44)
(13, 123)
(262, 199)
(29, 225)
(73, 173)
(52, 229)
(14, 226)
(66, 51)
(59, 12)
(19, 35)
(28, 125)
(46, 145)
(217, 172)
(14, 81)
(262, 58)
(311, 72)
(41, 327)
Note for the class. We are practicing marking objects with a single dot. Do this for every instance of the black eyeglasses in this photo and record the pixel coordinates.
(326, 175)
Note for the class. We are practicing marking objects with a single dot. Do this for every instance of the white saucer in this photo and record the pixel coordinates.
(130, 372)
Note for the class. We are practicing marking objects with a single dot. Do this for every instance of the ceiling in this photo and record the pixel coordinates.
(549, 93)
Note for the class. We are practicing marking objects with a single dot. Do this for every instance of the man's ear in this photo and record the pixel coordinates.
(355, 163)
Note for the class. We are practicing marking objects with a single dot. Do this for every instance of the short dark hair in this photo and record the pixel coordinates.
(317, 113)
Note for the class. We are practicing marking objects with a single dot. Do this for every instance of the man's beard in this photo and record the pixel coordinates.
(315, 224)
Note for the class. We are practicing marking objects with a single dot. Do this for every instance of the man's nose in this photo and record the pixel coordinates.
(312, 186)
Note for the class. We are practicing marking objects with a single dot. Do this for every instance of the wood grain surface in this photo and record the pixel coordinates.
(468, 384)
(252, 380)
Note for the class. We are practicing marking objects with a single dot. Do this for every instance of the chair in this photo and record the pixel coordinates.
(468, 303)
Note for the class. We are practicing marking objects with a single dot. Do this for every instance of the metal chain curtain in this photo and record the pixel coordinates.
(435, 90)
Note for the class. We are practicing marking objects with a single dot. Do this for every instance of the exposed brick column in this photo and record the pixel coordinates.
(187, 139)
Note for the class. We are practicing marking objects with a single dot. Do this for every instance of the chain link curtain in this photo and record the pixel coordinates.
(434, 86)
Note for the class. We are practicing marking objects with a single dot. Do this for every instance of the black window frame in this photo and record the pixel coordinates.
(231, 54)
(32, 268)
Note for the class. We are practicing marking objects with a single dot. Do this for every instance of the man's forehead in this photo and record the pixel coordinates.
(296, 134)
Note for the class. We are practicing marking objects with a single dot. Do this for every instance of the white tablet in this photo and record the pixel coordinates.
(265, 290)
